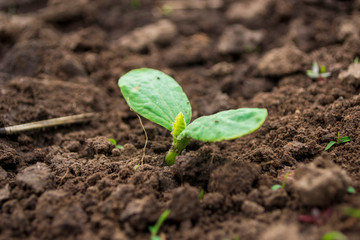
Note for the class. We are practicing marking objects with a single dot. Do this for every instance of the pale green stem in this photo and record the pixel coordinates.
(175, 150)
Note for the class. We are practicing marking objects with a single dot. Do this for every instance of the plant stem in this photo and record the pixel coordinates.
(176, 149)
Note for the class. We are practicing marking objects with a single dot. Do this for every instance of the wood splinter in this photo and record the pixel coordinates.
(84, 117)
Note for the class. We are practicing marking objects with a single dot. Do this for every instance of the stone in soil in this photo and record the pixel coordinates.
(248, 10)
(238, 39)
(161, 32)
(4, 193)
(252, 208)
(321, 183)
(281, 231)
(351, 77)
(282, 61)
(38, 177)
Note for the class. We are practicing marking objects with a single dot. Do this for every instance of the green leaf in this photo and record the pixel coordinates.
(201, 194)
(315, 67)
(119, 146)
(155, 96)
(225, 125)
(275, 187)
(330, 144)
(155, 229)
(113, 141)
(325, 75)
(345, 139)
(334, 236)
(178, 125)
(356, 60)
(311, 74)
(351, 190)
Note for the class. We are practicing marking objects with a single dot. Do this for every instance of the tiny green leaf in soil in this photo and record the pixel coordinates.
(277, 186)
(155, 229)
(201, 194)
(113, 141)
(317, 72)
(334, 235)
(351, 190)
(159, 98)
(339, 140)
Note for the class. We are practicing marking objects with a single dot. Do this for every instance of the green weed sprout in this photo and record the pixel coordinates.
(201, 194)
(334, 235)
(351, 190)
(338, 141)
(318, 73)
(113, 141)
(356, 60)
(159, 98)
(155, 229)
(277, 186)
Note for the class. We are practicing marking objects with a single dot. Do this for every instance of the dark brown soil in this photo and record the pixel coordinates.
(60, 58)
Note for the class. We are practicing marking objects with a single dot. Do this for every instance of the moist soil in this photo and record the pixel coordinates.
(61, 58)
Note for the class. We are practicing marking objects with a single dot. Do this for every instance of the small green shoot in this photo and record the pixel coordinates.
(159, 98)
(318, 73)
(339, 140)
(352, 212)
(356, 60)
(351, 190)
(277, 186)
(334, 235)
(136, 167)
(155, 229)
(201, 194)
(113, 141)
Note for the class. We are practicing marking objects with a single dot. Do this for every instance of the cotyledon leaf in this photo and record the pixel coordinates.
(225, 125)
(155, 96)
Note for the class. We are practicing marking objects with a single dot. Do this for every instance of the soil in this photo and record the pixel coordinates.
(60, 58)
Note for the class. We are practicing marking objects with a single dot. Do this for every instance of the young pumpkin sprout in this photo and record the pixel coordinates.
(159, 98)
(338, 141)
(318, 73)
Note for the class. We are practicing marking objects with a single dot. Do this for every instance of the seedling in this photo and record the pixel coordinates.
(155, 229)
(201, 194)
(277, 186)
(351, 190)
(334, 236)
(352, 212)
(338, 141)
(159, 98)
(356, 60)
(318, 73)
(113, 141)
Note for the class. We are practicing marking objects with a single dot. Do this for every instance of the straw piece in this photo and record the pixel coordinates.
(84, 117)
